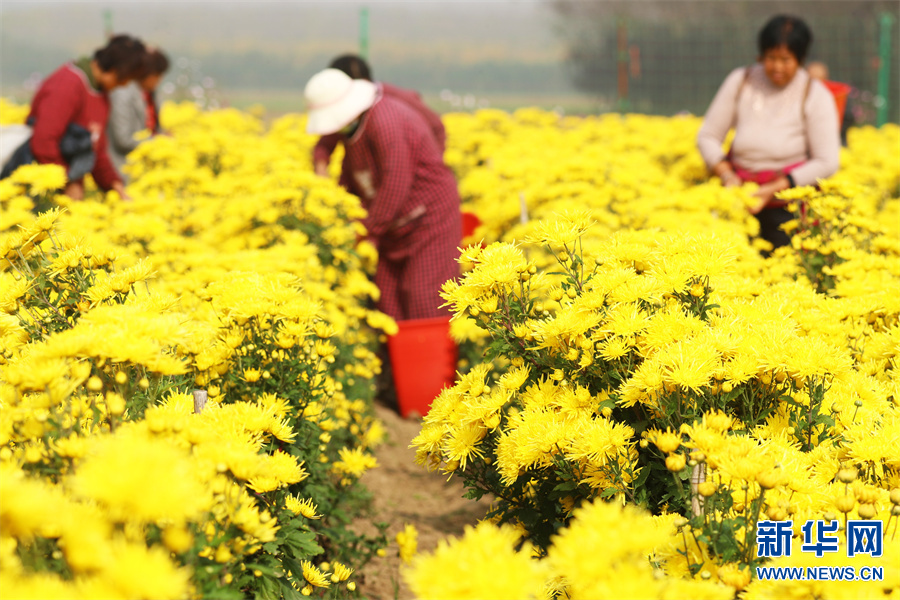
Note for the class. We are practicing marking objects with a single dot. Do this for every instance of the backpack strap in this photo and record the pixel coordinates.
(737, 96)
(805, 98)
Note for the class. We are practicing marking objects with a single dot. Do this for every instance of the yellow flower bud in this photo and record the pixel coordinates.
(33, 454)
(707, 488)
(867, 511)
(847, 475)
(769, 479)
(668, 442)
(776, 513)
(675, 462)
(115, 403)
(223, 554)
(845, 503)
(177, 539)
(895, 496)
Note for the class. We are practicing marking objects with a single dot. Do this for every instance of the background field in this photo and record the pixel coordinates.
(652, 56)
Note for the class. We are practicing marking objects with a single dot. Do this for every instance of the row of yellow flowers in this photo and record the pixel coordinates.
(234, 272)
(641, 352)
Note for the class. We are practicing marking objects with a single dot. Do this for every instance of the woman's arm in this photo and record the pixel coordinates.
(720, 117)
(823, 134)
(322, 152)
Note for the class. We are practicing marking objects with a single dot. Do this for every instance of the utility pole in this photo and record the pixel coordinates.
(884, 68)
(108, 22)
(364, 32)
(622, 60)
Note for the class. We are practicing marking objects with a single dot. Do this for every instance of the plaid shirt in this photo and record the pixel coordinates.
(398, 171)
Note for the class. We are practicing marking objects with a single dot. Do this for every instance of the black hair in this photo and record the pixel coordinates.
(123, 55)
(354, 66)
(786, 30)
(155, 62)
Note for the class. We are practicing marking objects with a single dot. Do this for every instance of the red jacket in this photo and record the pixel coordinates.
(66, 97)
(327, 143)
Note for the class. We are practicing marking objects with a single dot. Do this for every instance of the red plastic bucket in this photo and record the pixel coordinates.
(423, 360)
(470, 223)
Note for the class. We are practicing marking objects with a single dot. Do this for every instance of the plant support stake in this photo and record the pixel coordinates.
(200, 397)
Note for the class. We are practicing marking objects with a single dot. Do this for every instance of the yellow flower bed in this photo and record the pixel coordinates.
(644, 386)
(233, 271)
(632, 347)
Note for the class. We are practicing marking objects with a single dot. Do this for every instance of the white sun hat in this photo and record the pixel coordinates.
(333, 100)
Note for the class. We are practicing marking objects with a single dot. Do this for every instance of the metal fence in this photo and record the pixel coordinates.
(664, 57)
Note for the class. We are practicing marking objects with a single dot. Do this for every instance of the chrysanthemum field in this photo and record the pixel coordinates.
(186, 379)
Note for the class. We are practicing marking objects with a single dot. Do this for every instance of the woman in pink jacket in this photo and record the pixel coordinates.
(786, 125)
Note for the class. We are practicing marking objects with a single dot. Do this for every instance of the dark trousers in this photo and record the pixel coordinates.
(770, 221)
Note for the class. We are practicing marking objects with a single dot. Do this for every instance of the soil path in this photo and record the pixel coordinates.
(404, 493)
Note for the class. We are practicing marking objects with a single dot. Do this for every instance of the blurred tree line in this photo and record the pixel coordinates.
(667, 56)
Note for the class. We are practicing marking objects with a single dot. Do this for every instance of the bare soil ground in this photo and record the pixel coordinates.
(405, 493)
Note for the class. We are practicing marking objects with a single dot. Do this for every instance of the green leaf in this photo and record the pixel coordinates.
(303, 544)
(288, 592)
(609, 492)
(565, 486)
(271, 547)
(268, 588)
(642, 477)
(473, 494)
(290, 564)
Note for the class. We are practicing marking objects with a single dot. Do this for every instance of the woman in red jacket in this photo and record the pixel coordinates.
(394, 164)
(69, 113)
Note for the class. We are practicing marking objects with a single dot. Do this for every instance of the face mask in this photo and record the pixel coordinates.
(350, 128)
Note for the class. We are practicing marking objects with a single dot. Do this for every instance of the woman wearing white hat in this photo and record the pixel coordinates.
(397, 170)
